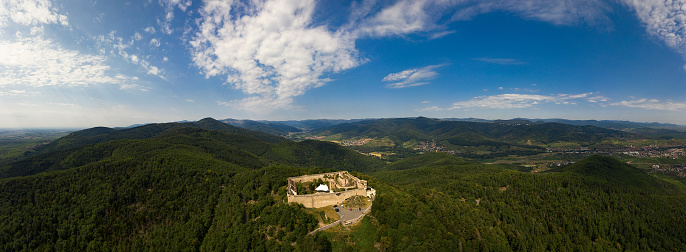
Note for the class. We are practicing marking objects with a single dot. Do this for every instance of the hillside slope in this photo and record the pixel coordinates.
(597, 204)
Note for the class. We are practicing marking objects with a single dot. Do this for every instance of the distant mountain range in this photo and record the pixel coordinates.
(282, 128)
(608, 124)
(467, 133)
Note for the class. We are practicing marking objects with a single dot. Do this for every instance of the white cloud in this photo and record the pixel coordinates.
(504, 101)
(137, 36)
(35, 61)
(559, 12)
(412, 77)
(129, 86)
(150, 29)
(517, 101)
(652, 104)
(403, 17)
(30, 12)
(155, 42)
(432, 16)
(171, 4)
(269, 49)
(665, 19)
(115, 45)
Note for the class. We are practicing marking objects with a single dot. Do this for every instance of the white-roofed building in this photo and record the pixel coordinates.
(322, 188)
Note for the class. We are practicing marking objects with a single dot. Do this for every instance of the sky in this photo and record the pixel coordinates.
(80, 63)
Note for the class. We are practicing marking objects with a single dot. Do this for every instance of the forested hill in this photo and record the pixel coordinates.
(470, 133)
(598, 204)
(182, 189)
(603, 171)
(102, 134)
(239, 148)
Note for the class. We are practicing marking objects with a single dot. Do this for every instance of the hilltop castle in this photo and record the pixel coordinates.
(342, 185)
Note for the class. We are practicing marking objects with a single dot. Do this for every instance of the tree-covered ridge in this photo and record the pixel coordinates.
(239, 149)
(102, 134)
(401, 130)
(477, 207)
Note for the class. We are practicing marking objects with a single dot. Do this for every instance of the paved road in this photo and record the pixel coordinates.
(347, 214)
(326, 227)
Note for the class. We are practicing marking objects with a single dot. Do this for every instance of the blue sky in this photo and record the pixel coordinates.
(116, 63)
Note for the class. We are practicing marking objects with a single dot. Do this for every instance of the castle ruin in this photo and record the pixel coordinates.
(342, 186)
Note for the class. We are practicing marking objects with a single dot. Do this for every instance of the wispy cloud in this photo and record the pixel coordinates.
(13, 92)
(652, 104)
(559, 12)
(519, 101)
(500, 61)
(115, 45)
(129, 86)
(505, 101)
(412, 77)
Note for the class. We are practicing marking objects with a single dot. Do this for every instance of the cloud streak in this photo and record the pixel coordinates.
(412, 77)
(519, 101)
(500, 61)
(652, 104)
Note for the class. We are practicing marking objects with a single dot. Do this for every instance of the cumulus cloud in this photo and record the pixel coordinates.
(652, 104)
(30, 12)
(270, 50)
(412, 77)
(35, 61)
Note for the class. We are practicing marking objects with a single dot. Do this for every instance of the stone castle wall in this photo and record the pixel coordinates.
(318, 200)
